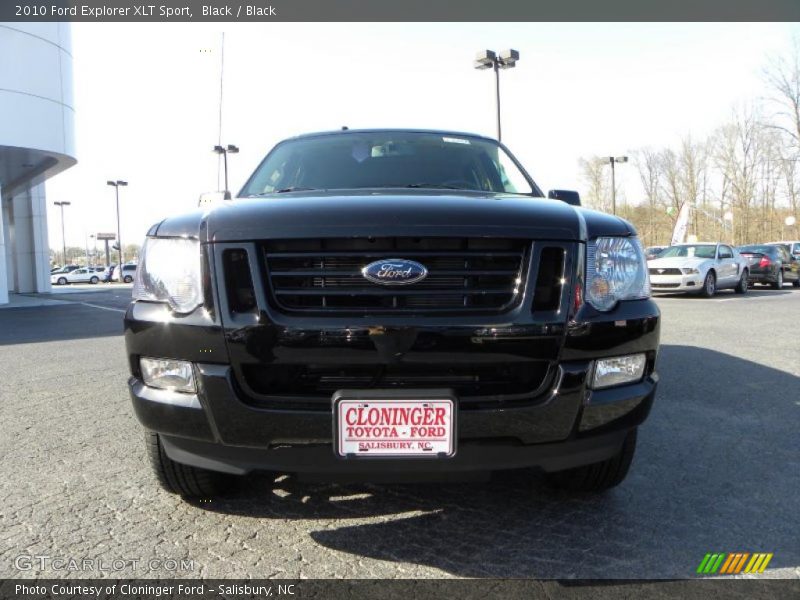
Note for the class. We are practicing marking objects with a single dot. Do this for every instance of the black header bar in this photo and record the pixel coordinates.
(146, 11)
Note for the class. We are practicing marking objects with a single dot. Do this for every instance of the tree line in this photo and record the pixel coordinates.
(76, 255)
(742, 182)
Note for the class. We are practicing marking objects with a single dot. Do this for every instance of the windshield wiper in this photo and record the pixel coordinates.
(282, 191)
(295, 188)
(439, 186)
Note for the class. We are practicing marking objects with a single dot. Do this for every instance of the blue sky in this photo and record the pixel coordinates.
(147, 97)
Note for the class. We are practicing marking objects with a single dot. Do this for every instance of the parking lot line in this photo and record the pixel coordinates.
(102, 307)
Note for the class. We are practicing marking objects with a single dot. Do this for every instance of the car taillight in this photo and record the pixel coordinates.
(765, 262)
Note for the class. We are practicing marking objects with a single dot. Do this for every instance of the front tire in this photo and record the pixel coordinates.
(62, 281)
(127, 279)
(94, 281)
(600, 476)
(741, 287)
(177, 478)
(778, 282)
(709, 285)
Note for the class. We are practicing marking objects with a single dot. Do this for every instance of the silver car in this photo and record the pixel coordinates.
(701, 268)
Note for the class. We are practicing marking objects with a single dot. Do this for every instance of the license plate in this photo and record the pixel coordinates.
(394, 427)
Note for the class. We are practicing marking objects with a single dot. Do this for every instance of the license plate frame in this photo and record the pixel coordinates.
(423, 398)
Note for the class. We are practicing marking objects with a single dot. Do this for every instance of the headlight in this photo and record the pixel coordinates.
(169, 271)
(688, 271)
(615, 270)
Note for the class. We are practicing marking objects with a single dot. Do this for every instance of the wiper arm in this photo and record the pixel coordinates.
(282, 191)
(440, 186)
(295, 188)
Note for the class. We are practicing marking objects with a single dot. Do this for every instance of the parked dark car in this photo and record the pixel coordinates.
(771, 265)
(792, 247)
(388, 303)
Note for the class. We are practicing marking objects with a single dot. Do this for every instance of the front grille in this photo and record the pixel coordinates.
(470, 381)
(465, 275)
(665, 285)
(661, 271)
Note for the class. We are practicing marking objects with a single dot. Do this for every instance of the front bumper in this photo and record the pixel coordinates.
(215, 430)
(676, 283)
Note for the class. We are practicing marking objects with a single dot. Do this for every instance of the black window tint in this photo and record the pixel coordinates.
(388, 159)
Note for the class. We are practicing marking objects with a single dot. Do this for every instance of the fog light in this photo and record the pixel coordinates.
(618, 370)
(175, 375)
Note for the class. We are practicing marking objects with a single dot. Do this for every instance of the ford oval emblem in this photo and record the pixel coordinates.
(394, 271)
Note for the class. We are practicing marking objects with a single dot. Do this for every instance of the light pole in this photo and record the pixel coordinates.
(224, 151)
(614, 160)
(488, 59)
(94, 247)
(117, 184)
(61, 205)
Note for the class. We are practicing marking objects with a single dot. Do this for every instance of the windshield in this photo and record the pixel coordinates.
(388, 159)
(696, 251)
(788, 247)
(758, 249)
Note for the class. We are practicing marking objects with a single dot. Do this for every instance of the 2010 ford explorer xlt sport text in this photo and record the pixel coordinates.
(391, 304)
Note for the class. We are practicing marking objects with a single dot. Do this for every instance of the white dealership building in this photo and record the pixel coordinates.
(36, 142)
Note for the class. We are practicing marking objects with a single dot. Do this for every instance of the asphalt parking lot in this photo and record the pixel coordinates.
(717, 470)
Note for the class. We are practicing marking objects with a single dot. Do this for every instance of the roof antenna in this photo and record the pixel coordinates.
(345, 128)
(221, 86)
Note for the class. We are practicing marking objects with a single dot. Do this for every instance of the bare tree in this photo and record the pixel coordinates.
(782, 75)
(592, 172)
(790, 174)
(739, 148)
(648, 165)
(692, 174)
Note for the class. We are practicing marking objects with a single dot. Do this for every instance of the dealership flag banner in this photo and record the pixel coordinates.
(681, 225)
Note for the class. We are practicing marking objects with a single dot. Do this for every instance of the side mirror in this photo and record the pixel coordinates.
(568, 196)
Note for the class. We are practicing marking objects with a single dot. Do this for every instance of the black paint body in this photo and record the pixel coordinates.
(257, 406)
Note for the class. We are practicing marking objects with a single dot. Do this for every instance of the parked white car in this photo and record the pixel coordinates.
(701, 268)
(82, 275)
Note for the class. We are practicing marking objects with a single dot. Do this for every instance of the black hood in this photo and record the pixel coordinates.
(412, 213)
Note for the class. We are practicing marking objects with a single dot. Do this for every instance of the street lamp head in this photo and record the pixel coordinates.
(508, 59)
(621, 159)
(122, 183)
(114, 183)
(219, 149)
(485, 59)
(232, 149)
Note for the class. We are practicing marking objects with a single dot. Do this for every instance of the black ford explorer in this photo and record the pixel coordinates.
(381, 304)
